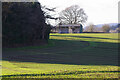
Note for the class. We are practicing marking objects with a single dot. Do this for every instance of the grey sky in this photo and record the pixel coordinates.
(98, 11)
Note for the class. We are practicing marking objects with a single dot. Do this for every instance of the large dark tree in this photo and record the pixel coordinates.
(23, 23)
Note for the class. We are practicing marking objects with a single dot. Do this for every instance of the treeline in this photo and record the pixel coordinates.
(23, 23)
(106, 28)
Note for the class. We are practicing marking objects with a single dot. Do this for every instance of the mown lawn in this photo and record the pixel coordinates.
(67, 56)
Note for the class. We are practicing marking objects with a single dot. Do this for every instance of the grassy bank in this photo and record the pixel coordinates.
(68, 56)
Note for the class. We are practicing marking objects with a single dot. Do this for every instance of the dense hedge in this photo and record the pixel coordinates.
(23, 23)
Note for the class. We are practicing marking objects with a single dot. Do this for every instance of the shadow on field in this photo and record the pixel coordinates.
(68, 52)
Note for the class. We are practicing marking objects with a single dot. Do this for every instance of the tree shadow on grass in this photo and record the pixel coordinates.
(68, 52)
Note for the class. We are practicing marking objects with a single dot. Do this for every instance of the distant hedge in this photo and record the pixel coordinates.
(23, 23)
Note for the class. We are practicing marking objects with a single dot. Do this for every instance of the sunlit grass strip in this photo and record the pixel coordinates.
(0, 68)
(84, 39)
(100, 35)
(36, 70)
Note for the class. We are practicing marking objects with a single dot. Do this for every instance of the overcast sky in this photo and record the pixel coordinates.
(98, 11)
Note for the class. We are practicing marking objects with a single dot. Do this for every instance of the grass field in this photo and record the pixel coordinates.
(66, 56)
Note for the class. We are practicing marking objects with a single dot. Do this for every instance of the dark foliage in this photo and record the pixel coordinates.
(23, 23)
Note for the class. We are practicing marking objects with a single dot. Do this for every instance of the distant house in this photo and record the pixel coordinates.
(68, 28)
(117, 30)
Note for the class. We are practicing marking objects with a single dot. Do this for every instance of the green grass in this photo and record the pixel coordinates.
(59, 70)
(68, 56)
(101, 37)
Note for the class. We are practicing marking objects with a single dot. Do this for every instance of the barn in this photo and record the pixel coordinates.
(68, 28)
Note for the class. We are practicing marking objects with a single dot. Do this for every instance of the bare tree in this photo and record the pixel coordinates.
(47, 13)
(106, 28)
(90, 28)
(73, 15)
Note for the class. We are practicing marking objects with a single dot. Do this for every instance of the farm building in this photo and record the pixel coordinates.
(68, 28)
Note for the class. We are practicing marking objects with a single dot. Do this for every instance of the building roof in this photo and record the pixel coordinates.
(69, 25)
